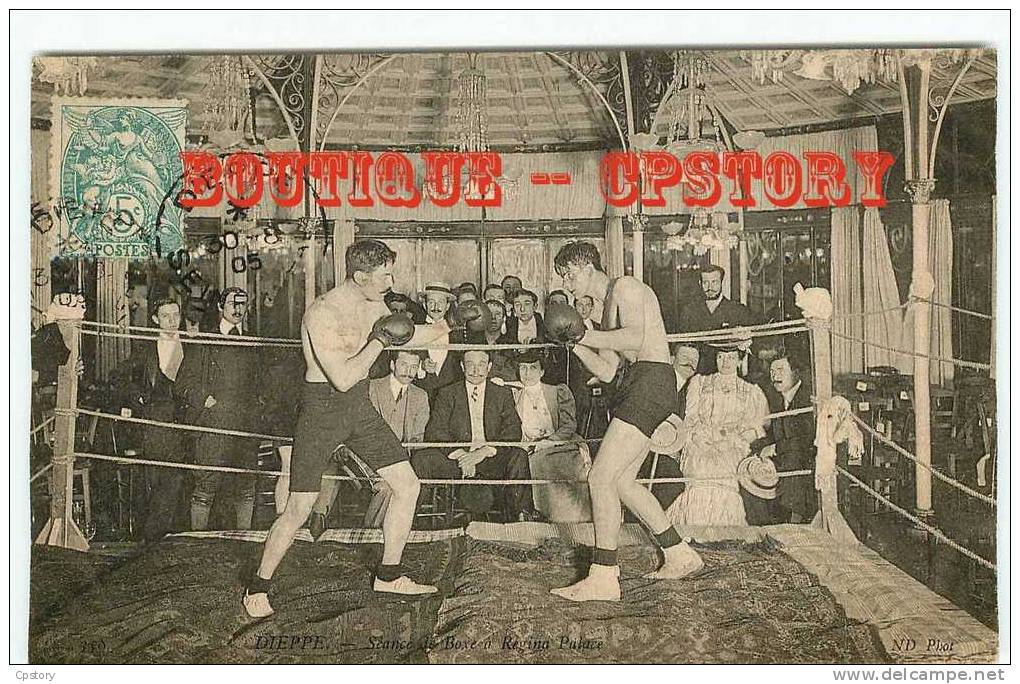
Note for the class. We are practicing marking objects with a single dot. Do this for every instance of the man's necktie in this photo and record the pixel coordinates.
(400, 395)
(474, 393)
(234, 331)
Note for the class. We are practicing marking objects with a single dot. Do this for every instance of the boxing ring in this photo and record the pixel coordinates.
(808, 593)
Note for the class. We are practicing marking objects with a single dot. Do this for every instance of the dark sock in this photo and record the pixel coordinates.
(604, 556)
(258, 585)
(388, 573)
(667, 538)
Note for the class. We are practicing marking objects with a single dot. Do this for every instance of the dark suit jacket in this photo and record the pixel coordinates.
(228, 374)
(450, 419)
(449, 373)
(143, 387)
(513, 323)
(794, 437)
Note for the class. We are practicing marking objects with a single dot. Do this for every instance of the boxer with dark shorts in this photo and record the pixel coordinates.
(632, 327)
(342, 334)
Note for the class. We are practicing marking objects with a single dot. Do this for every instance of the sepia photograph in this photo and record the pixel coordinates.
(556, 353)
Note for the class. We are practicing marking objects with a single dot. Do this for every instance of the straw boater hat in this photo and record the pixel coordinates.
(668, 437)
(440, 287)
(758, 476)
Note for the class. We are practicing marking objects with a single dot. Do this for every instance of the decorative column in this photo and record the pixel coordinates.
(637, 224)
(921, 287)
(60, 529)
(614, 246)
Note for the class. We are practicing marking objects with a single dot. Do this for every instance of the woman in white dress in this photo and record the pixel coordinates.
(724, 415)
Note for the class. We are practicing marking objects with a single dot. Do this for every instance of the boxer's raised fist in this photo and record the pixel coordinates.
(564, 324)
(393, 330)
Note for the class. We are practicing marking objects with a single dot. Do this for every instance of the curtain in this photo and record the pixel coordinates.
(880, 293)
(847, 298)
(940, 253)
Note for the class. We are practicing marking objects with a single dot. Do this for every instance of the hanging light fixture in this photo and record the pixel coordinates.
(472, 114)
(226, 95)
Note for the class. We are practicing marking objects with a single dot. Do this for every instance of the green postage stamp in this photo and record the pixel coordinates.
(116, 164)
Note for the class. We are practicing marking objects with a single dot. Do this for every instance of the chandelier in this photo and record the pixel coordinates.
(687, 117)
(226, 94)
(849, 68)
(472, 115)
(69, 75)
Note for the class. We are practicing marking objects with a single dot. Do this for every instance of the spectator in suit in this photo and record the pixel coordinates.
(526, 326)
(713, 312)
(441, 367)
(585, 306)
(548, 415)
(397, 302)
(405, 408)
(217, 384)
(147, 382)
(477, 411)
(791, 439)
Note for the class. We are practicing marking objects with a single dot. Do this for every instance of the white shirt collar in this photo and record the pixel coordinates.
(527, 330)
(395, 386)
(713, 304)
(481, 389)
(791, 393)
(226, 327)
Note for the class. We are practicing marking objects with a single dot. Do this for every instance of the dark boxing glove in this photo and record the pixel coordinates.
(474, 315)
(392, 330)
(564, 324)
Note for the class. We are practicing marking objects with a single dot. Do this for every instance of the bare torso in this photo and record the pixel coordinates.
(626, 300)
(343, 314)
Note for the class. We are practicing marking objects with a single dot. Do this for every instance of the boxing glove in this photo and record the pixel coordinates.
(392, 330)
(474, 315)
(563, 324)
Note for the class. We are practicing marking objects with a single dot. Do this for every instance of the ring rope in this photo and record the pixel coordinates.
(865, 314)
(410, 445)
(347, 478)
(941, 536)
(184, 333)
(732, 334)
(42, 471)
(905, 352)
(41, 426)
(906, 454)
(976, 314)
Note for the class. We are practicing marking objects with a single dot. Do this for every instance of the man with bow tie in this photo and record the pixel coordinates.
(147, 382)
(217, 383)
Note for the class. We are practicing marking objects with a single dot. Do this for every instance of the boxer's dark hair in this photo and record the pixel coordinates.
(225, 294)
(368, 255)
(578, 253)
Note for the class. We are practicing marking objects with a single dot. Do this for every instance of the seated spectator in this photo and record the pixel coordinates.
(405, 408)
(724, 415)
(476, 411)
(557, 297)
(548, 415)
(791, 439)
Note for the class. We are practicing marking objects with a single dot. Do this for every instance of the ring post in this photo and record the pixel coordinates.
(60, 529)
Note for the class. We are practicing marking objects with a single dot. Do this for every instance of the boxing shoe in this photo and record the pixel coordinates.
(679, 562)
(257, 605)
(601, 584)
(403, 585)
(316, 525)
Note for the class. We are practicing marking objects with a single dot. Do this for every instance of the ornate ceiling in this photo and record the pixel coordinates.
(533, 99)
